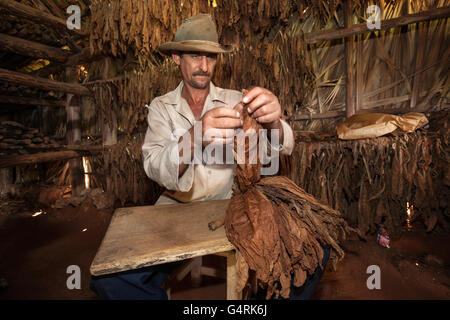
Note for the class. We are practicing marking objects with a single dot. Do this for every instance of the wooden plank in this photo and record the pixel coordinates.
(31, 101)
(327, 35)
(12, 161)
(149, 235)
(32, 49)
(38, 16)
(41, 83)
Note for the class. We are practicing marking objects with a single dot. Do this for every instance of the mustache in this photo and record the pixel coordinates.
(201, 73)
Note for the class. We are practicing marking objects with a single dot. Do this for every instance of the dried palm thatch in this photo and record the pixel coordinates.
(395, 68)
(278, 228)
(371, 180)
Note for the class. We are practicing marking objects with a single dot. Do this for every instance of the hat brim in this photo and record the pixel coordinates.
(194, 46)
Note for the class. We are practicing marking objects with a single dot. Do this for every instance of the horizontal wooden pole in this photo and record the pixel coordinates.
(338, 114)
(41, 83)
(327, 35)
(316, 116)
(32, 49)
(87, 148)
(12, 161)
(31, 101)
(38, 16)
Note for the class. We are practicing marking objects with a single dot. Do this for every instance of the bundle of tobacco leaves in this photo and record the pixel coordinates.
(278, 228)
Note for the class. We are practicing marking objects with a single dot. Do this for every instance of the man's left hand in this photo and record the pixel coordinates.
(263, 106)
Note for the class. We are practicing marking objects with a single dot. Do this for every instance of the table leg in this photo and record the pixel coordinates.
(196, 275)
(232, 293)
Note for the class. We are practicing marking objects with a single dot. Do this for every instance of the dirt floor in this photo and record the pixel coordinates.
(36, 251)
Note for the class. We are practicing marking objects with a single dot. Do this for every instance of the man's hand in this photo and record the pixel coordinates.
(264, 106)
(218, 125)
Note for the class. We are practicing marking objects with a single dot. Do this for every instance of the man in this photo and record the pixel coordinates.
(196, 107)
(197, 102)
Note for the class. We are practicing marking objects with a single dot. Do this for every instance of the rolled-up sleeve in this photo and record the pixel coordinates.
(287, 145)
(288, 139)
(160, 152)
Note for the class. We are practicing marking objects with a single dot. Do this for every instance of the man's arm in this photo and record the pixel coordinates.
(160, 152)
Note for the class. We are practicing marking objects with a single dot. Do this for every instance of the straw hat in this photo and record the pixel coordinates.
(198, 34)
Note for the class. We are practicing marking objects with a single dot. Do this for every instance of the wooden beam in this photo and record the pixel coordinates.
(327, 35)
(38, 16)
(31, 101)
(12, 161)
(41, 83)
(32, 49)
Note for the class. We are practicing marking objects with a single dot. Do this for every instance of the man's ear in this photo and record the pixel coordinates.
(176, 57)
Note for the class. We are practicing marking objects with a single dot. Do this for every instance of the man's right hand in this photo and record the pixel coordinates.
(219, 124)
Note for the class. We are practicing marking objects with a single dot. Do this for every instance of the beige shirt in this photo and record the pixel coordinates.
(169, 117)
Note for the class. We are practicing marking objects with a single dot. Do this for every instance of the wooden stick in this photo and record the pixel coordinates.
(31, 101)
(37, 15)
(46, 84)
(32, 49)
(73, 133)
(327, 35)
(349, 53)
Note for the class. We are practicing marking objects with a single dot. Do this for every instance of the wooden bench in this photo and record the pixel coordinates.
(144, 236)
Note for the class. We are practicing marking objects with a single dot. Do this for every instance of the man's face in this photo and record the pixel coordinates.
(197, 68)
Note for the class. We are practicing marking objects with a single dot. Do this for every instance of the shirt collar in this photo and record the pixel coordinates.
(174, 97)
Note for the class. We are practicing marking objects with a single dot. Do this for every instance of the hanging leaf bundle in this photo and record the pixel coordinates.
(278, 228)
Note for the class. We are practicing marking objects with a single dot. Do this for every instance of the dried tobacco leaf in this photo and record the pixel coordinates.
(277, 227)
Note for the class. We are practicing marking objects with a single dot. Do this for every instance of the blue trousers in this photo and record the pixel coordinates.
(145, 283)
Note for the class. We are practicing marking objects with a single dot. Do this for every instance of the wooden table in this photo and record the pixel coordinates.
(149, 235)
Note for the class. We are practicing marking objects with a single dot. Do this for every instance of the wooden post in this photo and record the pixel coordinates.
(349, 54)
(359, 73)
(196, 275)
(109, 132)
(73, 133)
(6, 178)
(420, 50)
(232, 293)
